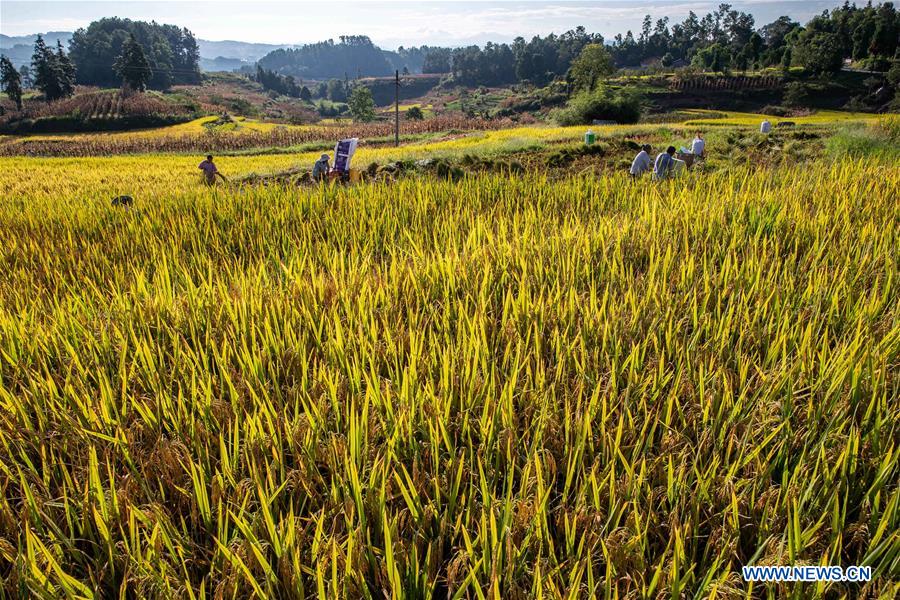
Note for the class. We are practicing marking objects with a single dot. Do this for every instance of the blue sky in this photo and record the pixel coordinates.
(388, 23)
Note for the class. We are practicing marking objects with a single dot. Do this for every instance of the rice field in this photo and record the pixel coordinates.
(498, 387)
(241, 135)
(821, 117)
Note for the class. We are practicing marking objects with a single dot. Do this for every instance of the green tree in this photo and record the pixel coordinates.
(885, 37)
(362, 106)
(132, 66)
(415, 114)
(786, 59)
(65, 71)
(820, 53)
(305, 94)
(753, 49)
(715, 57)
(593, 63)
(337, 90)
(47, 73)
(893, 75)
(11, 81)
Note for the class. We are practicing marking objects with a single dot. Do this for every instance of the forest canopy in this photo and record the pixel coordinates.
(171, 51)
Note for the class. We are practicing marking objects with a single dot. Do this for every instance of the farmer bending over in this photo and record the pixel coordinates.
(320, 169)
(641, 162)
(665, 162)
(210, 171)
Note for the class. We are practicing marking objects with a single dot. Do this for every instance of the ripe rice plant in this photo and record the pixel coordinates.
(499, 387)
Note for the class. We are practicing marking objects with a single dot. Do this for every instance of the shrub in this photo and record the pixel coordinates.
(621, 106)
(775, 111)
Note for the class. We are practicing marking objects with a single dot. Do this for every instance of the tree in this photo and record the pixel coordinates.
(42, 65)
(415, 114)
(132, 66)
(893, 75)
(66, 70)
(786, 59)
(362, 106)
(593, 63)
(820, 53)
(885, 37)
(714, 58)
(54, 73)
(775, 33)
(337, 90)
(305, 94)
(667, 60)
(25, 74)
(437, 60)
(11, 81)
(753, 49)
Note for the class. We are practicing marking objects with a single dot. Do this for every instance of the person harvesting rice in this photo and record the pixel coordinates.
(210, 170)
(641, 162)
(665, 162)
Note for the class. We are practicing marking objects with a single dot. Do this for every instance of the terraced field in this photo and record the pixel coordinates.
(555, 382)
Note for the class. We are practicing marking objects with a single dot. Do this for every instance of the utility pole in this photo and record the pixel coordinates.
(397, 107)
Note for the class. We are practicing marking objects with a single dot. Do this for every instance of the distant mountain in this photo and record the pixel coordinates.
(221, 63)
(19, 48)
(245, 51)
(7, 41)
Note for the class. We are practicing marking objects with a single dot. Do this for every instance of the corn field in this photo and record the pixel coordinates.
(495, 388)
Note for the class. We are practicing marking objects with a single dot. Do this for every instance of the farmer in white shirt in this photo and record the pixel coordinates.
(642, 162)
(665, 164)
(765, 126)
(698, 145)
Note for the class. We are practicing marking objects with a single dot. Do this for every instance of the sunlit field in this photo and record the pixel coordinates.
(540, 385)
(822, 117)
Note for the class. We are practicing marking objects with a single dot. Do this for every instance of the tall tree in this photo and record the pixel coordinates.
(11, 81)
(593, 63)
(132, 66)
(821, 53)
(46, 77)
(65, 71)
(362, 106)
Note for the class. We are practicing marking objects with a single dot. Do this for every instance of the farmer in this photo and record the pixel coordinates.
(210, 171)
(641, 162)
(665, 162)
(320, 169)
(698, 145)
